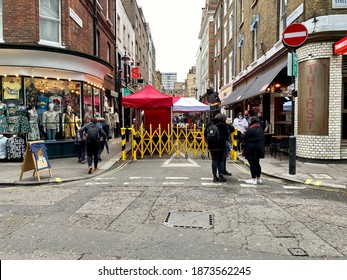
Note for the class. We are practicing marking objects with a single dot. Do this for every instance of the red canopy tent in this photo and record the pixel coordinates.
(156, 105)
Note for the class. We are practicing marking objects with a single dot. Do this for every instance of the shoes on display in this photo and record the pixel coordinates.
(227, 173)
(251, 181)
(90, 169)
(259, 181)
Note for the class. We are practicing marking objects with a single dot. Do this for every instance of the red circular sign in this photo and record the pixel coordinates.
(294, 35)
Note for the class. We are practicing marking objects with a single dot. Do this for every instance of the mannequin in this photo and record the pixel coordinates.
(33, 121)
(69, 123)
(22, 125)
(42, 106)
(50, 122)
(3, 122)
(88, 114)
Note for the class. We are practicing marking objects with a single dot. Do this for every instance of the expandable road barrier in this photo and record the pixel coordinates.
(169, 141)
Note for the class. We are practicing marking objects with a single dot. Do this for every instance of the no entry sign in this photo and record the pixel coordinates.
(294, 35)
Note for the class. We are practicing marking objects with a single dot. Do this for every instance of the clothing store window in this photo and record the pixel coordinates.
(92, 103)
(50, 22)
(1, 34)
(10, 101)
(54, 108)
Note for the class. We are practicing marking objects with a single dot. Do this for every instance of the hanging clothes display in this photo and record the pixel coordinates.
(15, 147)
(3, 122)
(34, 125)
(22, 125)
(3, 146)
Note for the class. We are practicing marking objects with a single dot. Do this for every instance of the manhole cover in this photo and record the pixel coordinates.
(189, 219)
(298, 252)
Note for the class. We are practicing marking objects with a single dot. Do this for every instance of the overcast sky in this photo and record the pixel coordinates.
(175, 26)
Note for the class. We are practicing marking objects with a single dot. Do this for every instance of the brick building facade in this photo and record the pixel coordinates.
(256, 76)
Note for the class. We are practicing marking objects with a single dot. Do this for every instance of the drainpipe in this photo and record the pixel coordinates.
(95, 24)
(234, 40)
(221, 78)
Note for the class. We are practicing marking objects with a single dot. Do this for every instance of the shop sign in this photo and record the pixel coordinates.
(125, 91)
(339, 4)
(76, 18)
(313, 97)
(114, 93)
(340, 47)
(135, 73)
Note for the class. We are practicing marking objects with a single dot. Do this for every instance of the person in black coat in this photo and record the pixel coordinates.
(254, 149)
(218, 149)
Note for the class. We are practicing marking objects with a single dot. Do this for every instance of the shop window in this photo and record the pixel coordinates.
(50, 22)
(54, 106)
(91, 101)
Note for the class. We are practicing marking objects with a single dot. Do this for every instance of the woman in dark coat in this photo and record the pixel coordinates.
(254, 149)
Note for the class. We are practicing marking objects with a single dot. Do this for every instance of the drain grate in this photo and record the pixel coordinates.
(189, 219)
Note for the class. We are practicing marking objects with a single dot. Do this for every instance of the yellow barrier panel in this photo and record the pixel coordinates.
(184, 140)
(234, 140)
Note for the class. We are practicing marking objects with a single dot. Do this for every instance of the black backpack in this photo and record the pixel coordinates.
(212, 135)
(93, 133)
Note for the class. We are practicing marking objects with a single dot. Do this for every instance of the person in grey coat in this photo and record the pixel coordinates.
(254, 149)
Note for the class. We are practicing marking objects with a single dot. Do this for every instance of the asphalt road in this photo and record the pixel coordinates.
(163, 209)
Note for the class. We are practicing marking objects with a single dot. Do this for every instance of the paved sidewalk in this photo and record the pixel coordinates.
(63, 169)
(322, 173)
(331, 174)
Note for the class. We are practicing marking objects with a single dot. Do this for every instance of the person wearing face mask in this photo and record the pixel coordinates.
(246, 116)
(240, 123)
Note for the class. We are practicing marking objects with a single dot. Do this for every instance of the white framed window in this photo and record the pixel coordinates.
(283, 16)
(108, 9)
(108, 53)
(50, 22)
(230, 66)
(242, 10)
(225, 33)
(231, 26)
(1, 33)
(225, 73)
(225, 6)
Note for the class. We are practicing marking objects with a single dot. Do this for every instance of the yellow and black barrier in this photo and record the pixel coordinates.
(179, 140)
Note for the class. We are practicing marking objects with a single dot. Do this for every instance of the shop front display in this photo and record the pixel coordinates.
(47, 109)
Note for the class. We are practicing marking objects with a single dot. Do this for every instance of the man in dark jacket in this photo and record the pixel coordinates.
(94, 134)
(254, 149)
(218, 148)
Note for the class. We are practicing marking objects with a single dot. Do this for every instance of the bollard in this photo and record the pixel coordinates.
(124, 154)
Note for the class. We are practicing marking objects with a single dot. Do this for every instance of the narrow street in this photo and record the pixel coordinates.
(163, 209)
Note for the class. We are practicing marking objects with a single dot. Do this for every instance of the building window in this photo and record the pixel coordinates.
(242, 11)
(97, 50)
(50, 22)
(254, 29)
(225, 72)
(230, 67)
(108, 52)
(230, 26)
(107, 9)
(225, 33)
(283, 16)
(1, 34)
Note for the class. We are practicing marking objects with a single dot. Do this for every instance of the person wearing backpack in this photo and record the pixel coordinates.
(216, 135)
(93, 135)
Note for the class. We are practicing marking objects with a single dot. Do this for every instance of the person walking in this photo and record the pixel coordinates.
(93, 135)
(254, 149)
(216, 135)
(240, 123)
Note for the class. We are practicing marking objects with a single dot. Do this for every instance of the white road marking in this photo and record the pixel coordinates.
(177, 178)
(294, 187)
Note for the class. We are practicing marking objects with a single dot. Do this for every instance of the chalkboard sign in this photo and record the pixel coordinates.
(36, 158)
